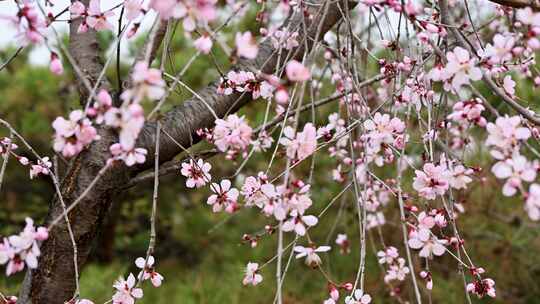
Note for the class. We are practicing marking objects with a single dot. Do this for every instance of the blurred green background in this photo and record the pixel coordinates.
(201, 254)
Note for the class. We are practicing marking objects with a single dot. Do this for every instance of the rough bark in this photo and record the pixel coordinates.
(84, 48)
(53, 281)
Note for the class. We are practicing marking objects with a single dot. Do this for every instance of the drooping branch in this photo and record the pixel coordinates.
(52, 282)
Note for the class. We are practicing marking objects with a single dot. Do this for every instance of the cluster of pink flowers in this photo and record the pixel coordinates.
(506, 135)
(468, 111)
(299, 145)
(93, 16)
(459, 70)
(246, 82)
(73, 135)
(283, 39)
(396, 264)
(421, 237)
(296, 71)
(147, 83)
(381, 132)
(358, 297)
(197, 173)
(231, 135)
(192, 12)
(416, 92)
(29, 23)
(246, 46)
(479, 286)
(127, 290)
(128, 119)
(42, 166)
(22, 249)
(285, 203)
(434, 180)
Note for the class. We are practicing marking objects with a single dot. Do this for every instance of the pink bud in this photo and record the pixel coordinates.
(56, 65)
(347, 286)
(334, 293)
(104, 98)
(42, 234)
(282, 96)
(203, 44)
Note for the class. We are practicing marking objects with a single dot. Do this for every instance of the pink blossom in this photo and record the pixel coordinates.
(129, 157)
(126, 293)
(468, 111)
(203, 44)
(482, 287)
(509, 85)
(358, 297)
(42, 167)
(506, 133)
(381, 130)
(101, 106)
(74, 134)
(190, 11)
(257, 191)
(461, 68)
(432, 181)
(77, 9)
(197, 173)
(429, 245)
(388, 255)
(426, 275)
(514, 170)
(282, 96)
(284, 39)
(532, 204)
(232, 134)
(147, 83)
(29, 23)
(299, 145)
(343, 243)
(96, 18)
(147, 271)
(133, 9)
(224, 197)
(375, 219)
(246, 46)
(310, 253)
(21, 249)
(252, 277)
(56, 65)
(501, 50)
(130, 120)
(397, 271)
(298, 223)
(528, 17)
(460, 177)
(6, 145)
(296, 71)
